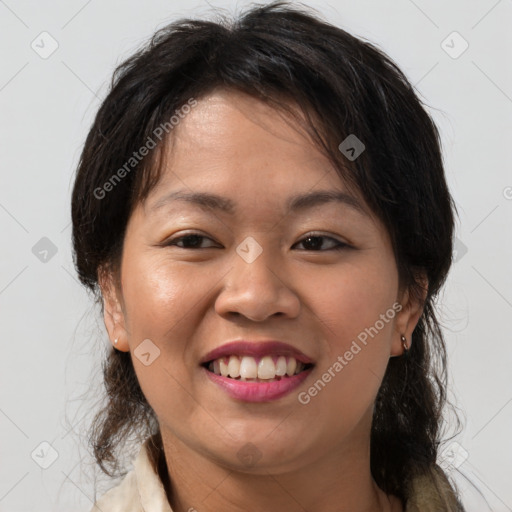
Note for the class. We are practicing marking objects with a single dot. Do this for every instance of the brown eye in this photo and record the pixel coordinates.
(190, 241)
(316, 243)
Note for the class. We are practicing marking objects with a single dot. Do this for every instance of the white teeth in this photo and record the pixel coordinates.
(248, 368)
(223, 367)
(291, 366)
(233, 367)
(266, 368)
(281, 366)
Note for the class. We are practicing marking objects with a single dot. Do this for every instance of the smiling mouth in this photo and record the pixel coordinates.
(256, 369)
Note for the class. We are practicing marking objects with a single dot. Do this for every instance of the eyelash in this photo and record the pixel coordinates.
(340, 245)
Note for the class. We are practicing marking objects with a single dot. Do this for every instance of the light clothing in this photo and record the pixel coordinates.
(141, 490)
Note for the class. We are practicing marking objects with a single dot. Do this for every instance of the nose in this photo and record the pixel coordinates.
(257, 290)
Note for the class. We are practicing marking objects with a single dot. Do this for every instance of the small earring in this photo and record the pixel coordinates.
(404, 344)
(115, 341)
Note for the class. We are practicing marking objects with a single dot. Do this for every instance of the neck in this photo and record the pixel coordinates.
(339, 480)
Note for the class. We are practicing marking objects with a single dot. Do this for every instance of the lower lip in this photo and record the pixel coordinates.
(258, 391)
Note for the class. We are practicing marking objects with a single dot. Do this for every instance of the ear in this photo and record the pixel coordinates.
(113, 313)
(407, 318)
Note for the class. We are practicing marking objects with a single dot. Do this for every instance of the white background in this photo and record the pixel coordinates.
(52, 337)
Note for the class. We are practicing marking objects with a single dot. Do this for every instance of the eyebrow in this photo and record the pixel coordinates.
(300, 202)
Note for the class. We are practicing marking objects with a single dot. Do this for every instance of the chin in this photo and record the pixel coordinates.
(261, 456)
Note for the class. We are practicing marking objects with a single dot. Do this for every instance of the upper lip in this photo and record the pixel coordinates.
(256, 349)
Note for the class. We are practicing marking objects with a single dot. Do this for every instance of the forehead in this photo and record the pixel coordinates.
(236, 144)
(231, 124)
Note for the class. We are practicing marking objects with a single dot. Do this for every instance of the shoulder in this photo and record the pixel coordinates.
(432, 492)
(122, 498)
(141, 490)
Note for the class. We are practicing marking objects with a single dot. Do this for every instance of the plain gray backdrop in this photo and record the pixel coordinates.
(57, 60)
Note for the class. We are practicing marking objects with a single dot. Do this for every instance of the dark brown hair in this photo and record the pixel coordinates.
(342, 85)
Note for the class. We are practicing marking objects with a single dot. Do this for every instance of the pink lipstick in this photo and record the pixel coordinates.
(257, 371)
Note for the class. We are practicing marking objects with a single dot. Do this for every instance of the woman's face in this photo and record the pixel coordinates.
(252, 273)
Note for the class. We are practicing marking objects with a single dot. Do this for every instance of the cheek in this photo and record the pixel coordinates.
(349, 374)
(158, 295)
(163, 302)
(354, 298)
(356, 311)
(342, 395)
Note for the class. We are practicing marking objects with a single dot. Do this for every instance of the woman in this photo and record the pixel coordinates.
(262, 211)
